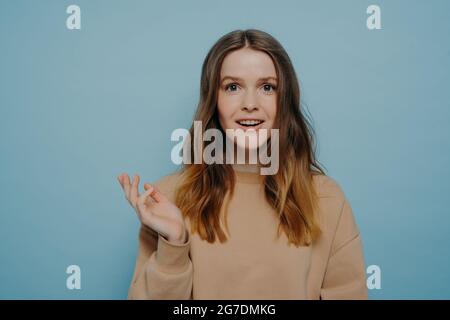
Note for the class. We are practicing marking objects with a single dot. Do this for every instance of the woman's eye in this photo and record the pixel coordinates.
(231, 87)
(269, 87)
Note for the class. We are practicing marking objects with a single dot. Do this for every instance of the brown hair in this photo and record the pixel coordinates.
(203, 189)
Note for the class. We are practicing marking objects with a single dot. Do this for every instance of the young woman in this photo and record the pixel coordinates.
(224, 231)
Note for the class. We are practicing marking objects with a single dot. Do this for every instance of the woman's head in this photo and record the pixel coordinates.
(247, 93)
(247, 74)
(266, 89)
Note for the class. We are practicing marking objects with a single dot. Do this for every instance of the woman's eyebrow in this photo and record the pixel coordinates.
(230, 78)
(239, 79)
(267, 79)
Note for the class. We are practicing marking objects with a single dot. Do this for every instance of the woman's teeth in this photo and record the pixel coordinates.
(249, 122)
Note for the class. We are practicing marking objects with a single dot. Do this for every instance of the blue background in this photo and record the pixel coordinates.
(79, 107)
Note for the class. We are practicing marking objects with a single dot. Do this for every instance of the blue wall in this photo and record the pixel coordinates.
(78, 107)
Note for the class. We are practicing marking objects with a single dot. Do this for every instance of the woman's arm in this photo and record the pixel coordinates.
(345, 276)
(163, 269)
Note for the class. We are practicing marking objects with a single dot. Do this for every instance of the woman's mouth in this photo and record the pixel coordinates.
(250, 123)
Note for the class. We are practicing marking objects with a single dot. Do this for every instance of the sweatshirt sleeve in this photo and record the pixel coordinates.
(345, 276)
(163, 270)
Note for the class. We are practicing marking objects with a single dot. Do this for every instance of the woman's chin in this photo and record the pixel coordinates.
(251, 146)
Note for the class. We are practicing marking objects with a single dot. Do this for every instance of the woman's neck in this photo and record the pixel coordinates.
(246, 167)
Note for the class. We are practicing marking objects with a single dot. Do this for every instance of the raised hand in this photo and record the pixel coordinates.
(154, 209)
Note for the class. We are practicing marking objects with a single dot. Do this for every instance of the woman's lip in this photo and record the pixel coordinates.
(249, 120)
(245, 128)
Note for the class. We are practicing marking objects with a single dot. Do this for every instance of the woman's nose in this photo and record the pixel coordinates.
(250, 102)
(250, 107)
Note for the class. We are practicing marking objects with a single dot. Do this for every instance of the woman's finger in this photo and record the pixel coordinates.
(156, 194)
(142, 198)
(126, 186)
(134, 190)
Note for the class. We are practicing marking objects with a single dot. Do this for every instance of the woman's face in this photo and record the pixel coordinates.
(247, 97)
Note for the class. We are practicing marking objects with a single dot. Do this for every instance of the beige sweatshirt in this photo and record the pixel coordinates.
(253, 264)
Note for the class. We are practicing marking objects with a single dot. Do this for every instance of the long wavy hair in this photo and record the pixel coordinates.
(205, 189)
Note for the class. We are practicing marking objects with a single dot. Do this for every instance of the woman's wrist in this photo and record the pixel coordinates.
(179, 239)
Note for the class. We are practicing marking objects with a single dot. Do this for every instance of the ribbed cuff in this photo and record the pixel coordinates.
(171, 257)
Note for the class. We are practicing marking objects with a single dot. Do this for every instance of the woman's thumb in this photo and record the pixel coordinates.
(156, 194)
